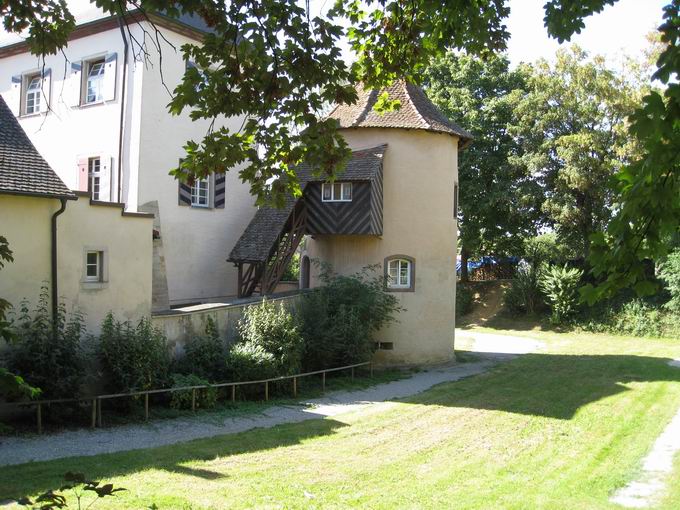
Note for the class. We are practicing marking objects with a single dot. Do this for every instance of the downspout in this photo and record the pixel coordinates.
(55, 290)
(123, 89)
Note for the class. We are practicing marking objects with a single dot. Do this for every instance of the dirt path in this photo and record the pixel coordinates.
(485, 309)
(492, 349)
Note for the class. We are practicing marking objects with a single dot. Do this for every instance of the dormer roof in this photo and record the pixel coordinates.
(416, 112)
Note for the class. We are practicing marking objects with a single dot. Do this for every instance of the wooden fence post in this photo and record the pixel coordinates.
(233, 393)
(146, 407)
(266, 391)
(99, 412)
(39, 416)
(323, 381)
(352, 373)
(193, 399)
(94, 413)
(370, 365)
(295, 386)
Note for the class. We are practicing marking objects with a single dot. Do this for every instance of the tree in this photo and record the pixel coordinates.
(5, 256)
(273, 63)
(572, 127)
(499, 202)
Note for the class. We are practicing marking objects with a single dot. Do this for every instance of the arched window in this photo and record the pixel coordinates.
(304, 272)
(400, 273)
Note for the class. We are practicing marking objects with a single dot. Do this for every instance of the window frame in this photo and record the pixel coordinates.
(92, 175)
(410, 284)
(36, 93)
(87, 68)
(332, 187)
(194, 186)
(98, 265)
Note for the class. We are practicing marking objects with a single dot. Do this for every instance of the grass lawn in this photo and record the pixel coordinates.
(563, 428)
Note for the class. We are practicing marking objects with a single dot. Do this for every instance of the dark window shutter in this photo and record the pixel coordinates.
(184, 194)
(220, 186)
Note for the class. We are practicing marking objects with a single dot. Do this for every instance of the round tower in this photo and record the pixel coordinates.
(416, 247)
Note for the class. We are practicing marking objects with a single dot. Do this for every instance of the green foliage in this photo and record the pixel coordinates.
(250, 362)
(292, 272)
(5, 256)
(498, 202)
(547, 248)
(133, 357)
(524, 294)
(13, 387)
(572, 128)
(47, 353)
(560, 286)
(206, 398)
(669, 273)
(76, 483)
(464, 299)
(204, 355)
(340, 318)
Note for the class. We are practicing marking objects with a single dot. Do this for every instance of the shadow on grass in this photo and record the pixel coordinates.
(549, 385)
(32, 478)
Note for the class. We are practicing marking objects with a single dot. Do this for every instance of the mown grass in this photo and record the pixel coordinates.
(562, 428)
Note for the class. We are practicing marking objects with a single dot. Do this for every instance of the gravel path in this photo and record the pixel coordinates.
(492, 349)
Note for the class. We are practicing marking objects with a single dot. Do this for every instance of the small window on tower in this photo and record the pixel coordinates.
(400, 273)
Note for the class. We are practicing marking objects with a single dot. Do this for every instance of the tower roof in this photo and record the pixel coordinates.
(416, 112)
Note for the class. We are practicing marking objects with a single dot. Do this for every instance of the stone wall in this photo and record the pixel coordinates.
(180, 324)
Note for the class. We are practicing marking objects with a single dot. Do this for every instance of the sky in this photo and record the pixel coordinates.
(618, 29)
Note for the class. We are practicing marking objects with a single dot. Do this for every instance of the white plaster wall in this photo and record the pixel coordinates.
(419, 171)
(70, 132)
(126, 241)
(196, 241)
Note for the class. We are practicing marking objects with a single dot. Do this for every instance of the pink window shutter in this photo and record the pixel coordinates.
(83, 180)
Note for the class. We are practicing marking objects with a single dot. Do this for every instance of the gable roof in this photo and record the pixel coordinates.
(268, 223)
(23, 171)
(416, 112)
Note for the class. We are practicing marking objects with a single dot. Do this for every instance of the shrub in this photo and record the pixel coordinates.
(292, 272)
(560, 285)
(464, 298)
(340, 318)
(204, 355)
(250, 362)
(276, 331)
(48, 355)
(206, 398)
(669, 272)
(524, 294)
(546, 248)
(133, 358)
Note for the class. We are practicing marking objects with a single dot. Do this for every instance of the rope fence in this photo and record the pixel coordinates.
(96, 400)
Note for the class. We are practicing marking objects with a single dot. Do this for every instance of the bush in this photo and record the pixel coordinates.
(524, 295)
(133, 358)
(546, 248)
(669, 273)
(292, 272)
(205, 398)
(560, 285)
(340, 318)
(464, 298)
(251, 362)
(204, 355)
(48, 355)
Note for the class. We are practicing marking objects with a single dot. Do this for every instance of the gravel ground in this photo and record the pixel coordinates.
(491, 349)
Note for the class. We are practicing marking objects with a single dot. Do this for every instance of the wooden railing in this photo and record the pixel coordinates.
(96, 400)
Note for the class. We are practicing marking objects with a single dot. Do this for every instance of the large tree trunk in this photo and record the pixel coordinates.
(464, 256)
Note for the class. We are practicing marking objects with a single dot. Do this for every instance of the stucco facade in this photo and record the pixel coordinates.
(140, 142)
(420, 169)
(125, 240)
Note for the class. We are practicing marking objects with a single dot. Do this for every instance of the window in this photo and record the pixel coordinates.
(400, 273)
(336, 192)
(94, 90)
(200, 191)
(94, 176)
(94, 264)
(33, 91)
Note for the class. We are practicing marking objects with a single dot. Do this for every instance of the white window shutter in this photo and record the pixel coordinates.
(106, 164)
(82, 174)
(75, 83)
(110, 69)
(13, 95)
(46, 91)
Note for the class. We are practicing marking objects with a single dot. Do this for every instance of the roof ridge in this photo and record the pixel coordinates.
(415, 107)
